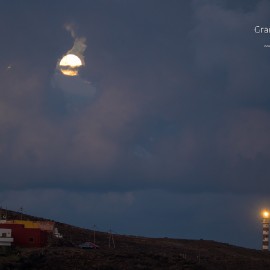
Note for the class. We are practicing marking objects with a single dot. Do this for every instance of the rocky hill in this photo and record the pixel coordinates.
(129, 252)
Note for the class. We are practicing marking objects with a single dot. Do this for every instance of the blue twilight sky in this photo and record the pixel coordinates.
(166, 130)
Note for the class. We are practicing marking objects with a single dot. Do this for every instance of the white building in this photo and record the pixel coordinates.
(5, 237)
(57, 234)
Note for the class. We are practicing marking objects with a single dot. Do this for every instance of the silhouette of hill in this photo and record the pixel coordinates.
(131, 252)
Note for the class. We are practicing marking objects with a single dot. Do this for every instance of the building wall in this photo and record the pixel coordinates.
(27, 223)
(46, 225)
(27, 237)
(5, 232)
(5, 237)
(43, 225)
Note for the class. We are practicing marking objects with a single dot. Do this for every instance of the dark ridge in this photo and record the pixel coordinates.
(130, 252)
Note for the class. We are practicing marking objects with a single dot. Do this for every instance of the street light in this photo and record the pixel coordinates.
(265, 222)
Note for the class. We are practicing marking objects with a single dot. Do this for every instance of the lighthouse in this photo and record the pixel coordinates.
(265, 225)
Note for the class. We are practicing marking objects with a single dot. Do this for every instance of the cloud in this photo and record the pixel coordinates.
(74, 86)
(75, 91)
(146, 128)
(79, 45)
(247, 135)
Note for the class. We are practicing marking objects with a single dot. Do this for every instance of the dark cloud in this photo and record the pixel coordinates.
(171, 108)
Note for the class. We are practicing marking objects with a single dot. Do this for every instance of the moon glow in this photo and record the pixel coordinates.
(69, 65)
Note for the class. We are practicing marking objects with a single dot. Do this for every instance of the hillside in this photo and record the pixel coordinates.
(132, 252)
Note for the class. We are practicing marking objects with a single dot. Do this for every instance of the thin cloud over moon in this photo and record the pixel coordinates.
(67, 77)
(70, 64)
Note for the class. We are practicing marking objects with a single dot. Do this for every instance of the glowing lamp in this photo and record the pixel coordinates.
(265, 214)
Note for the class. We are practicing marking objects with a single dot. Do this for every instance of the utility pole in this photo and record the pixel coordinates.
(6, 217)
(111, 239)
(94, 228)
(21, 210)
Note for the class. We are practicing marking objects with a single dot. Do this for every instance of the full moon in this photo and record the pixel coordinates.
(69, 65)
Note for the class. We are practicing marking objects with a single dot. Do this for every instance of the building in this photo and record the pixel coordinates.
(57, 234)
(29, 224)
(5, 237)
(26, 237)
(27, 233)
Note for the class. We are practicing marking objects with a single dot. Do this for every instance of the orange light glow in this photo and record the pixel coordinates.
(265, 214)
(69, 72)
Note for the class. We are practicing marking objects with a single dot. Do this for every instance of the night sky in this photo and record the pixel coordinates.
(165, 132)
